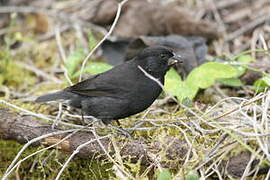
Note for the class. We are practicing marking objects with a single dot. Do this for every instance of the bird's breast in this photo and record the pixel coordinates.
(144, 94)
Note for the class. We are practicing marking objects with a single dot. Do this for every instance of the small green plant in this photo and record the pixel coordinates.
(95, 68)
(73, 62)
(244, 58)
(241, 65)
(164, 175)
(12, 74)
(262, 83)
(201, 77)
(192, 175)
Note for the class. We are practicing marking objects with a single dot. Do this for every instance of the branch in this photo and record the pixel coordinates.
(27, 129)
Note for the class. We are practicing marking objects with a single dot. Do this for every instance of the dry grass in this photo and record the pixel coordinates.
(215, 134)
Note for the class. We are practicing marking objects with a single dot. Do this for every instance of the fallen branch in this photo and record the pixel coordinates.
(26, 128)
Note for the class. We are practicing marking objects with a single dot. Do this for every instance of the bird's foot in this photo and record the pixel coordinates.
(122, 131)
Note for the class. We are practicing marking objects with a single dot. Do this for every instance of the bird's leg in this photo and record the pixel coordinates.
(119, 129)
(122, 131)
(118, 122)
(83, 121)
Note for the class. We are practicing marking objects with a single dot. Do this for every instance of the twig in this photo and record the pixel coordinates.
(237, 108)
(109, 156)
(59, 115)
(50, 35)
(38, 72)
(104, 38)
(268, 175)
(62, 53)
(59, 44)
(151, 77)
(217, 16)
(222, 4)
(42, 116)
(265, 47)
(43, 149)
(248, 167)
(11, 166)
(217, 145)
(76, 152)
(247, 27)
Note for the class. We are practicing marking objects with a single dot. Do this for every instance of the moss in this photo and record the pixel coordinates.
(12, 75)
(46, 165)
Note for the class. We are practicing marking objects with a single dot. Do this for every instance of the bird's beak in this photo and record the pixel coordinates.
(175, 59)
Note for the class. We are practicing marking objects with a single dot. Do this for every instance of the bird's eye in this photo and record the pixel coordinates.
(163, 56)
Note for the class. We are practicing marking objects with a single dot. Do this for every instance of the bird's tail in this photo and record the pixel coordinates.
(60, 95)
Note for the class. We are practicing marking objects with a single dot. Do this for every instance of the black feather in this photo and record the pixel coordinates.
(122, 91)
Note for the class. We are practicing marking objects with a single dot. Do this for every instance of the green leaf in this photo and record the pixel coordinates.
(192, 175)
(187, 102)
(164, 175)
(94, 68)
(73, 62)
(266, 79)
(2, 79)
(92, 42)
(262, 83)
(97, 67)
(201, 77)
(172, 82)
(205, 75)
(245, 58)
(235, 82)
(241, 69)
(176, 87)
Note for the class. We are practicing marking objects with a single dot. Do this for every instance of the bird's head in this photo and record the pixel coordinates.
(157, 60)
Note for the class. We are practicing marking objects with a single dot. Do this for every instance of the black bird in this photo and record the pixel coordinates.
(122, 91)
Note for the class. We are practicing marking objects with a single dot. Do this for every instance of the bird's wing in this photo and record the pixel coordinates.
(88, 87)
(98, 85)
